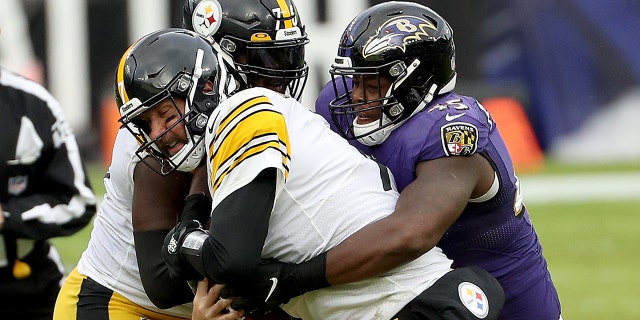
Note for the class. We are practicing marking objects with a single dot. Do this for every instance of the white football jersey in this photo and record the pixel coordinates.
(326, 191)
(110, 257)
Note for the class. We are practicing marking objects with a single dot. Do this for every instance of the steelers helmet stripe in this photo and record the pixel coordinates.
(120, 75)
(286, 13)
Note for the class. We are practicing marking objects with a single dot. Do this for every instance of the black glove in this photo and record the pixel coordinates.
(172, 250)
(275, 283)
(197, 207)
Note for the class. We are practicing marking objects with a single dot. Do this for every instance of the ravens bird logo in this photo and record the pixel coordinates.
(396, 33)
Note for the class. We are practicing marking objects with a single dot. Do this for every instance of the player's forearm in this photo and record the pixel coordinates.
(161, 289)
(59, 204)
(375, 249)
(422, 216)
(41, 223)
(239, 227)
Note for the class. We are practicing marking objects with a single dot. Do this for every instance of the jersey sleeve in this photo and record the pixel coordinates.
(58, 200)
(247, 135)
(459, 127)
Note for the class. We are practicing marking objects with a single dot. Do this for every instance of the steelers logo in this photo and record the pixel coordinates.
(474, 299)
(206, 18)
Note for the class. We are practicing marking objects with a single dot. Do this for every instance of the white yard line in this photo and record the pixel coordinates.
(581, 187)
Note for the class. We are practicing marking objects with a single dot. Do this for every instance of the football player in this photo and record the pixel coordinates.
(264, 39)
(392, 96)
(45, 193)
(121, 274)
(283, 186)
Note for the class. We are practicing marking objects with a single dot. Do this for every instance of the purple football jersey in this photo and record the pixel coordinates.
(496, 234)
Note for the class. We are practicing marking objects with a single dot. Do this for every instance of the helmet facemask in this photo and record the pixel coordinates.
(265, 39)
(182, 87)
(408, 44)
(177, 79)
(390, 110)
(278, 65)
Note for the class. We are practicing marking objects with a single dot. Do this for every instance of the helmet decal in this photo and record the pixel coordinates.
(207, 17)
(283, 12)
(123, 68)
(396, 33)
(289, 34)
(263, 39)
(286, 22)
(260, 36)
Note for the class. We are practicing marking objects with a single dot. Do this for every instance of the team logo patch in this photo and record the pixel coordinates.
(17, 185)
(396, 33)
(207, 17)
(172, 247)
(474, 299)
(459, 139)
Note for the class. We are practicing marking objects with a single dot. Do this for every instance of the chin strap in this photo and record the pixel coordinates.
(380, 136)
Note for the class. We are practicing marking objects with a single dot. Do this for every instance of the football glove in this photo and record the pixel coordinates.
(197, 207)
(275, 283)
(176, 244)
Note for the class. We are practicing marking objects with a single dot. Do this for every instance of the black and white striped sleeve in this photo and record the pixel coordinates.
(48, 191)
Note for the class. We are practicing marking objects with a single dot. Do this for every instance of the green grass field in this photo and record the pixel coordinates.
(592, 250)
(591, 247)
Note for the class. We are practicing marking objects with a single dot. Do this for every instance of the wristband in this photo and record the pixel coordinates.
(310, 275)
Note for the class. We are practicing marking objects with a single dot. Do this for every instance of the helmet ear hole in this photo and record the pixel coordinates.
(208, 87)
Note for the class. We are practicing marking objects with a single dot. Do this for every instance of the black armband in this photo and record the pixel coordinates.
(164, 291)
(197, 207)
(311, 274)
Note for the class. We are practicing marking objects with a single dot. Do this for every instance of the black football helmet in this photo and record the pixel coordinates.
(166, 64)
(264, 38)
(408, 44)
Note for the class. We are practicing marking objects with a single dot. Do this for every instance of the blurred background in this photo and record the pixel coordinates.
(561, 78)
(572, 66)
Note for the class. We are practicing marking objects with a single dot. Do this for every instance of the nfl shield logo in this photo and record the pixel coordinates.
(17, 185)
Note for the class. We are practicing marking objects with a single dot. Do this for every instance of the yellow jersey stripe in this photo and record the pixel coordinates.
(250, 129)
(240, 109)
(253, 151)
